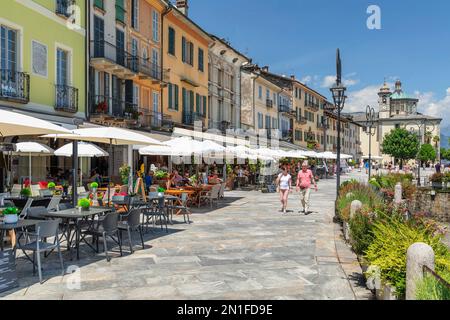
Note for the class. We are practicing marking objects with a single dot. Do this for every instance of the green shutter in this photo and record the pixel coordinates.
(170, 96)
(184, 100)
(176, 97)
(197, 103)
(120, 11)
(191, 48)
(183, 46)
(204, 105)
(99, 4)
(171, 41)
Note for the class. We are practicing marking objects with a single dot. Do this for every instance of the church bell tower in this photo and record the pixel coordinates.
(384, 101)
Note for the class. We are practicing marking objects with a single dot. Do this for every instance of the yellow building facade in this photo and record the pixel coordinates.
(185, 59)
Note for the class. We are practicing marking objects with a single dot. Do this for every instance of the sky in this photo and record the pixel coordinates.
(299, 37)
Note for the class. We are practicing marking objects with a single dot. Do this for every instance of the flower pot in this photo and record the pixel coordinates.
(10, 218)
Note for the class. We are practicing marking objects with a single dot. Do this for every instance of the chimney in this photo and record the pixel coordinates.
(292, 77)
(183, 6)
(265, 69)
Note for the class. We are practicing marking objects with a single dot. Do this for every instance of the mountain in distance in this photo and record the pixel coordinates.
(445, 136)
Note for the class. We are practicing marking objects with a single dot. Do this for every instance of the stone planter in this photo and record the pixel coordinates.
(10, 218)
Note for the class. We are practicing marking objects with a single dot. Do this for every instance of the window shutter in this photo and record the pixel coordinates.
(183, 45)
(170, 96)
(184, 100)
(191, 56)
(197, 103)
(176, 97)
(204, 105)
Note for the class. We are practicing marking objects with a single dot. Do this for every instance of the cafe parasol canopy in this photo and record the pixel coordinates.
(17, 124)
(85, 150)
(32, 149)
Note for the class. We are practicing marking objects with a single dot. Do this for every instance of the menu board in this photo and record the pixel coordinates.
(8, 276)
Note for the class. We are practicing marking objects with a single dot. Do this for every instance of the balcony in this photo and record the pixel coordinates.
(301, 120)
(114, 112)
(287, 110)
(269, 103)
(14, 86)
(107, 57)
(286, 135)
(66, 98)
(312, 106)
(189, 119)
(63, 6)
(323, 126)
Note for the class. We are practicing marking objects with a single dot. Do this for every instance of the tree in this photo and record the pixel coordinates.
(401, 144)
(436, 140)
(428, 137)
(427, 153)
(445, 154)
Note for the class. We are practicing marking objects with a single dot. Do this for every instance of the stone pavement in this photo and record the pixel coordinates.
(245, 249)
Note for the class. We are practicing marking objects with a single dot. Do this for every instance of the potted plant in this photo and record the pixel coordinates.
(102, 107)
(436, 180)
(10, 215)
(25, 192)
(84, 204)
(124, 172)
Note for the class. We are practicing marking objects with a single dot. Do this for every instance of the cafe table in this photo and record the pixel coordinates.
(5, 227)
(76, 216)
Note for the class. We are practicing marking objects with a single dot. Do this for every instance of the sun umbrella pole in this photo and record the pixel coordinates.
(75, 173)
(110, 169)
(29, 167)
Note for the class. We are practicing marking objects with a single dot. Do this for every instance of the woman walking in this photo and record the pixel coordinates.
(284, 183)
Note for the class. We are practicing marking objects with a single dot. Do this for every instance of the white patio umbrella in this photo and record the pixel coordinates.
(85, 150)
(327, 155)
(346, 156)
(34, 149)
(17, 124)
(111, 136)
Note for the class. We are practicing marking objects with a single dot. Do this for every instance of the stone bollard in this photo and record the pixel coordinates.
(419, 254)
(398, 193)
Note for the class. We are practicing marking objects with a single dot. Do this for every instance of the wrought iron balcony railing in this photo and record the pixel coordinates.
(284, 108)
(323, 126)
(66, 98)
(301, 120)
(63, 6)
(14, 86)
(189, 119)
(312, 106)
(108, 51)
(269, 103)
(108, 106)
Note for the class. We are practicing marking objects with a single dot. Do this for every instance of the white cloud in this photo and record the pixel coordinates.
(360, 99)
(329, 81)
(430, 105)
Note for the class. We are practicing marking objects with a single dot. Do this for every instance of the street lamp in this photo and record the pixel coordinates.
(338, 91)
(370, 117)
(420, 125)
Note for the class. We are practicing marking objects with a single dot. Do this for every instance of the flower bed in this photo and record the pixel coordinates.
(380, 233)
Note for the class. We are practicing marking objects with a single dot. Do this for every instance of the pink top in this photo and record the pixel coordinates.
(305, 178)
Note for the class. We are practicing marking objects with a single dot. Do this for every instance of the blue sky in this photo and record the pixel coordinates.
(300, 37)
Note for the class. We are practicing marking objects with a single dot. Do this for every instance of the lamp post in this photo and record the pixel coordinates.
(422, 124)
(338, 91)
(370, 117)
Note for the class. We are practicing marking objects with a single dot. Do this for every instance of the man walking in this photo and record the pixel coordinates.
(304, 180)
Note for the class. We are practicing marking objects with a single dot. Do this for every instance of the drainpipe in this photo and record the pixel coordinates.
(165, 12)
(87, 58)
